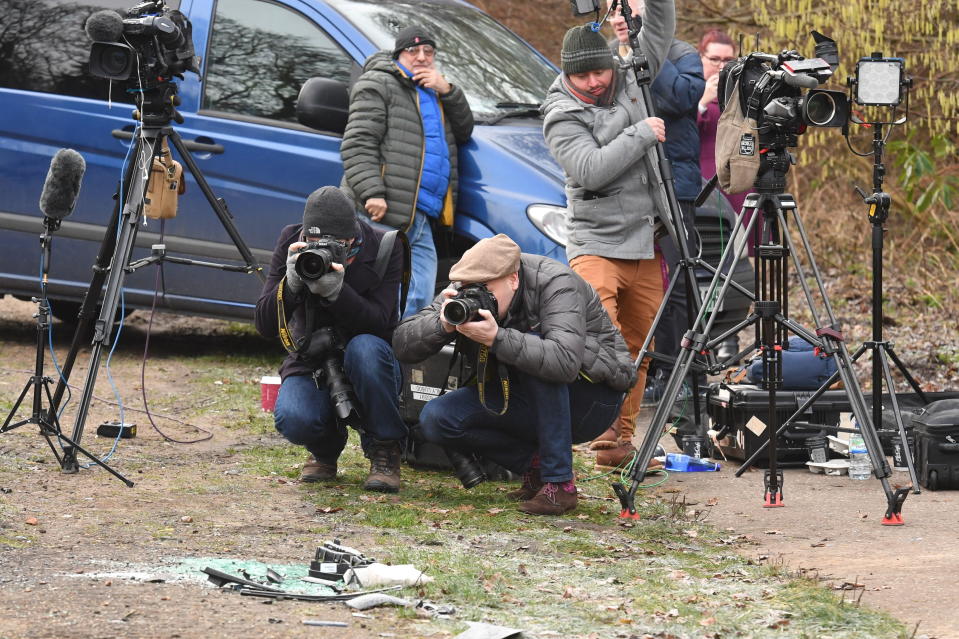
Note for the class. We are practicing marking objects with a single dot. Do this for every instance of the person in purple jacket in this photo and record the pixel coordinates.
(716, 50)
(358, 298)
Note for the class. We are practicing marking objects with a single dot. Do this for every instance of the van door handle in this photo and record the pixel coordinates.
(190, 145)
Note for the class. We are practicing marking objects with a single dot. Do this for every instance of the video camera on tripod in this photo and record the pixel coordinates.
(771, 89)
(157, 45)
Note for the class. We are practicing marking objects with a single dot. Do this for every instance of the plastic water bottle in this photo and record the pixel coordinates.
(677, 462)
(860, 467)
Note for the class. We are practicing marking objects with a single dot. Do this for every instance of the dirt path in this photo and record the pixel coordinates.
(830, 528)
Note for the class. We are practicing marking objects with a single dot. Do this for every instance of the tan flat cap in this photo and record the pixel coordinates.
(488, 259)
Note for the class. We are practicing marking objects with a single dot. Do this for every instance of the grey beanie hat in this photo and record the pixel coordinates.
(329, 211)
(585, 50)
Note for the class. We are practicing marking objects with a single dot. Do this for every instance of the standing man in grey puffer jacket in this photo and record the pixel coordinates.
(600, 133)
(567, 369)
(399, 149)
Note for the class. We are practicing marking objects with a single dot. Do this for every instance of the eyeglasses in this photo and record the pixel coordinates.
(425, 49)
(717, 60)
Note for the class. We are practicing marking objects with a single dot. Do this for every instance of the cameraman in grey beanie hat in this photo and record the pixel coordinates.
(354, 305)
(597, 127)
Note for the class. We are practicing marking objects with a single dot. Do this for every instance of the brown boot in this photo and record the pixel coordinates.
(551, 499)
(531, 485)
(614, 458)
(314, 470)
(384, 467)
(607, 440)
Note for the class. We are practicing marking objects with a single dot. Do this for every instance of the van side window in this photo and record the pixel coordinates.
(260, 55)
(44, 48)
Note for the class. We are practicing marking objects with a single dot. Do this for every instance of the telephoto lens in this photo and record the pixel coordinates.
(466, 468)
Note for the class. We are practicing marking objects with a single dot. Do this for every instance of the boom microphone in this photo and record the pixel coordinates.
(104, 26)
(62, 186)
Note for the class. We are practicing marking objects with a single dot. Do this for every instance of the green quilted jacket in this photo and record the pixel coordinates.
(382, 146)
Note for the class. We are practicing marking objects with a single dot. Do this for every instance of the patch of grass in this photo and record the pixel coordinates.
(573, 575)
(11, 542)
(234, 383)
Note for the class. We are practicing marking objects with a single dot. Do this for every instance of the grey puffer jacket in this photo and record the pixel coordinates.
(613, 186)
(382, 146)
(556, 328)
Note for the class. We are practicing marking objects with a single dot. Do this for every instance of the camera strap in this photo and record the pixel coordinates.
(292, 346)
(482, 359)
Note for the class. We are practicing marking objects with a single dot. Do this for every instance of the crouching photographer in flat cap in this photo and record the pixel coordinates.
(332, 297)
(556, 369)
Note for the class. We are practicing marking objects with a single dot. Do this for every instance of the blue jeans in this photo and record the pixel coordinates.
(423, 276)
(541, 416)
(304, 413)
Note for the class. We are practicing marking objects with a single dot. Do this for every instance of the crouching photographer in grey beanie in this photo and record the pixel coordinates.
(566, 366)
(332, 297)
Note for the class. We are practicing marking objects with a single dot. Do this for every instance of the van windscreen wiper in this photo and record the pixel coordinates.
(516, 110)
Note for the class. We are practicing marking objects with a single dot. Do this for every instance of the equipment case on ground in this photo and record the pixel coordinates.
(732, 407)
(936, 430)
(423, 382)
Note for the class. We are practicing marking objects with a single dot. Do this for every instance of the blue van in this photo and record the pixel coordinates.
(241, 125)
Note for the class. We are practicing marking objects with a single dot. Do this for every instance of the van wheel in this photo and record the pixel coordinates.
(932, 482)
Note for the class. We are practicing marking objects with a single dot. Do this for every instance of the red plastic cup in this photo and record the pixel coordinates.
(269, 389)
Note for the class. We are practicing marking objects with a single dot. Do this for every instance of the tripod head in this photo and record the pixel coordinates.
(156, 107)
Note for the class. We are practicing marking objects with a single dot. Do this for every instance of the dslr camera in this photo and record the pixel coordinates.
(147, 46)
(316, 258)
(470, 299)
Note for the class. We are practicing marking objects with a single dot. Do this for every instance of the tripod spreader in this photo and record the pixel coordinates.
(158, 254)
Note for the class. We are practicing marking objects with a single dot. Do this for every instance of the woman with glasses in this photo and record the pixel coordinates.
(716, 50)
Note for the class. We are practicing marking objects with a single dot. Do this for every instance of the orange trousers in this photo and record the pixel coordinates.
(631, 292)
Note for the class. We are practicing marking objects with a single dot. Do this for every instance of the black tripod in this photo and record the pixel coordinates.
(47, 420)
(677, 230)
(155, 112)
(879, 202)
(771, 206)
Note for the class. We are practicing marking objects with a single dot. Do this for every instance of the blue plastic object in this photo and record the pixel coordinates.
(679, 463)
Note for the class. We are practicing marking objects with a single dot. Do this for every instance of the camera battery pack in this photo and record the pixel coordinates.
(112, 429)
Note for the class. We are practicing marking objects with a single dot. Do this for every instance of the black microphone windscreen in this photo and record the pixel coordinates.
(62, 186)
(104, 26)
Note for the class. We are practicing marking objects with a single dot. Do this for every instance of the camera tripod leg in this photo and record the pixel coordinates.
(144, 152)
(692, 344)
(877, 397)
(888, 349)
(217, 204)
(773, 489)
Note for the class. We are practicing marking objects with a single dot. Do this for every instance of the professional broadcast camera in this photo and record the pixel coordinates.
(771, 89)
(465, 307)
(316, 258)
(146, 47)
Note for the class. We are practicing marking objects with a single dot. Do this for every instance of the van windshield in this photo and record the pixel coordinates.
(491, 64)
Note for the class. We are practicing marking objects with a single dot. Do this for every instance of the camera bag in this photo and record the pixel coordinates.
(936, 430)
(165, 187)
(802, 367)
(737, 146)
